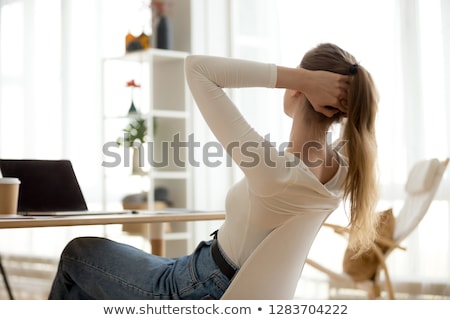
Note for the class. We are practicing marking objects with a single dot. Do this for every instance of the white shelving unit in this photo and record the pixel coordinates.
(163, 100)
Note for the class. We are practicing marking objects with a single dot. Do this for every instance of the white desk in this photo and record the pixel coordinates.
(156, 219)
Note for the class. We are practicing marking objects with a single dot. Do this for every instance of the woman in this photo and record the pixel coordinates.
(275, 187)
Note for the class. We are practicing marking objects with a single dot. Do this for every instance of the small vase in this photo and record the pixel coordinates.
(136, 168)
(132, 109)
(164, 33)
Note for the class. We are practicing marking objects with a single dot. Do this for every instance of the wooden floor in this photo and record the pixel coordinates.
(30, 278)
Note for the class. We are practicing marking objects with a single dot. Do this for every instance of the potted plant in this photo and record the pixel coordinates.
(135, 132)
(134, 136)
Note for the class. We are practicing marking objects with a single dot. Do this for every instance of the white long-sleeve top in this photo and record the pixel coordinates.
(276, 185)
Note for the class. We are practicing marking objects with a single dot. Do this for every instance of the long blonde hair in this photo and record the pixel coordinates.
(361, 183)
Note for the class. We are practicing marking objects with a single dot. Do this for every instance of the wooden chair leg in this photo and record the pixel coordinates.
(5, 280)
(389, 287)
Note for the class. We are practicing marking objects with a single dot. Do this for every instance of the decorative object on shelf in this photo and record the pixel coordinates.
(144, 39)
(162, 25)
(140, 30)
(135, 134)
(132, 84)
(162, 194)
(140, 200)
(140, 42)
(132, 43)
(136, 131)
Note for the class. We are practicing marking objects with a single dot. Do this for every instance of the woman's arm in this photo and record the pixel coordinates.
(207, 76)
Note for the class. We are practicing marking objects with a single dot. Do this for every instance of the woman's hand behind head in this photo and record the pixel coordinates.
(327, 92)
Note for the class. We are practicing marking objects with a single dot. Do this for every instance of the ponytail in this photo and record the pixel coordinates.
(361, 184)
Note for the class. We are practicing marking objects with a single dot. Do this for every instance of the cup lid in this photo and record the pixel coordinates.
(9, 181)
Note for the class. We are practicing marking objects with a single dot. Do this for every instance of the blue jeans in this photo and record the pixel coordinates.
(98, 268)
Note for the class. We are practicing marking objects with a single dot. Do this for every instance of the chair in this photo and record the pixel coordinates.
(423, 181)
(273, 270)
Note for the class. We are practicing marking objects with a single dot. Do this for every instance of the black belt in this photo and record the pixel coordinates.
(220, 261)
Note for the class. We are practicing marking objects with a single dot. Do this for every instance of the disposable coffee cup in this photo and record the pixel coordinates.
(9, 195)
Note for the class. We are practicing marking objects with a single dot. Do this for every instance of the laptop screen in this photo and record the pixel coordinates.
(46, 185)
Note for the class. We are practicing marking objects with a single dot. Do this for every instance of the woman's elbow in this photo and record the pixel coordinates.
(191, 63)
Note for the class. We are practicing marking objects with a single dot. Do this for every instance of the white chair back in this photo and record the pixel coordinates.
(273, 270)
(423, 182)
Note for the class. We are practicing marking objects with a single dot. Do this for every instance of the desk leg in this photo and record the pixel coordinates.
(157, 238)
(5, 280)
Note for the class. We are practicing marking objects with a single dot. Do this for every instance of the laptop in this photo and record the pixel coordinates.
(47, 188)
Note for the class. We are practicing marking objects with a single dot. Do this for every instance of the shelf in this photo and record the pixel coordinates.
(164, 101)
(125, 116)
(154, 173)
(174, 114)
(158, 55)
(169, 174)
(159, 113)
